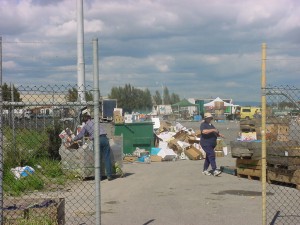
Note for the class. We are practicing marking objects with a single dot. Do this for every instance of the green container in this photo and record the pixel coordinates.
(200, 104)
(135, 135)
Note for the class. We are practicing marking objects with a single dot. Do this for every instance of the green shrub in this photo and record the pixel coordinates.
(24, 146)
(54, 141)
(38, 149)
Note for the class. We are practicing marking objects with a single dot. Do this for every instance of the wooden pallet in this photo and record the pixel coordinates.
(289, 163)
(251, 174)
(284, 177)
(248, 164)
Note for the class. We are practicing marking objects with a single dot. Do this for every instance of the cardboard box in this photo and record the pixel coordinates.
(118, 119)
(248, 136)
(155, 158)
(154, 151)
(219, 153)
(220, 145)
(281, 137)
(117, 113)
(130, 158)
(283, 130)
(181, 135)
(167, 154)
(164, 126)
(193, 153)
(197, 133)
(193, 139)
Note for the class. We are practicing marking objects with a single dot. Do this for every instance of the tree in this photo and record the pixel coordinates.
(72, 95)
(174, 98)
(157, 98)
(7, 95)
(166, 97)
(131, 99)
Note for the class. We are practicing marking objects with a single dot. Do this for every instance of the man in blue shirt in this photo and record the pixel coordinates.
(88, 129)
(208, 142)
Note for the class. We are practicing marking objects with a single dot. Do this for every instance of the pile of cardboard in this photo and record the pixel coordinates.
(178, 142)
(174, 142)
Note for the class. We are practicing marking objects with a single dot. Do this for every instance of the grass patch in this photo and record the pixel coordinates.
(31, 148)
(33, 221)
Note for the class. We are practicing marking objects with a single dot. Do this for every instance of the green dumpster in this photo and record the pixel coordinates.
(135, 135)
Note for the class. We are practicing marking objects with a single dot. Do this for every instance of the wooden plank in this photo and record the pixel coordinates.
(249, 177)
(248, 161)
(249, 172)
(284, 151)
(285, 162)
(237, 152)
(248, 164)
(293, 178)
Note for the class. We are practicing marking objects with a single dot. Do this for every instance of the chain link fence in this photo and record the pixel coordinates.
(46, 179)
(283, 155)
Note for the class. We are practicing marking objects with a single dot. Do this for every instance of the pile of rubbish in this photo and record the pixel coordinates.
(177, 142)
(171, 143)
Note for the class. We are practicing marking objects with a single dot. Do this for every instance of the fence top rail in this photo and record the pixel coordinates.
(6, 103)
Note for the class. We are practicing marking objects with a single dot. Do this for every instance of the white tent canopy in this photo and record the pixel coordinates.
(212, 103)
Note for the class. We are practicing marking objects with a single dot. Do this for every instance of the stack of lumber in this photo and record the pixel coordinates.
(283, 163)
(251, 128)
(247, 147)
(246, 150)
(219, 148)
(248, 168)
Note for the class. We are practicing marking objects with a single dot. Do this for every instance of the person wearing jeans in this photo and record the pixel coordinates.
(88, 129)
(208, 142)
(105, 153)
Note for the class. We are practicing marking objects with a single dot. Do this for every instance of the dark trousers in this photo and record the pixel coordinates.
(105, 154)
(210, 158)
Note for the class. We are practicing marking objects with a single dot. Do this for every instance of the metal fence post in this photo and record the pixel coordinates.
(263, 138)
(1, 138)
(96, 133)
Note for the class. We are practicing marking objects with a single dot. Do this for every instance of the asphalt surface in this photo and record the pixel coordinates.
(177, 192)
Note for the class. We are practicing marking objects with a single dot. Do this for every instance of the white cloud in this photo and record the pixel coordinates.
(197, 48)
(9, 65)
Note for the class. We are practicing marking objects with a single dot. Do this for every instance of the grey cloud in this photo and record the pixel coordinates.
(197, 48)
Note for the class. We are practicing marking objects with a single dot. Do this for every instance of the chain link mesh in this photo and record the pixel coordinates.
(283, 155)
(46, 180)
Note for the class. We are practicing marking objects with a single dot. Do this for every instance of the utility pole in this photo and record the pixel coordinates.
(263, 133)
(1, 137)
(80, 53)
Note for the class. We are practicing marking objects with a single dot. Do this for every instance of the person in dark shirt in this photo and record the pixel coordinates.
(208, 142)
(88, 129)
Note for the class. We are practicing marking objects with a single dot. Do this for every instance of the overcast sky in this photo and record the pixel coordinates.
(197, 48)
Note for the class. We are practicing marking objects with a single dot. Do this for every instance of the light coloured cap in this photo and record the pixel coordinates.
(86, 112)
(207, 115)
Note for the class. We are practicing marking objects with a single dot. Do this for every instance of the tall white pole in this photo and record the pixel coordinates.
(96, 131)
(263, 133)
(1, 138)
(80, 53)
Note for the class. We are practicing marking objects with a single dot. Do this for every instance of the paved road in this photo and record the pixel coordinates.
(177, 193)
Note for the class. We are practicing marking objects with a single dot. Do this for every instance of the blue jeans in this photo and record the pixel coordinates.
(105, 154)
(210, 158)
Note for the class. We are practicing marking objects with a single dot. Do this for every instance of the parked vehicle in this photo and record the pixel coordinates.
(21, 114)
(250, 112)
(107, 107)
